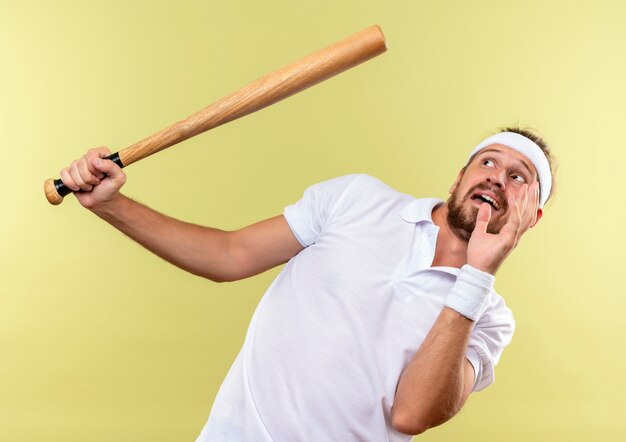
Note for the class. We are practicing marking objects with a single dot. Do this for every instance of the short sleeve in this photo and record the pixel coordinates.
(492, 333)
(309, 216)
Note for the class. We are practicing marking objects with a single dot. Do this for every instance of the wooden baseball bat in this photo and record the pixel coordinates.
(261, 93)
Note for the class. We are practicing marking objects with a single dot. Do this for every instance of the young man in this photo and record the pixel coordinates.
(384, 319)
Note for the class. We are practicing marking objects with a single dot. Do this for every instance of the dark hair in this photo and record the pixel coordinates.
(539, 141)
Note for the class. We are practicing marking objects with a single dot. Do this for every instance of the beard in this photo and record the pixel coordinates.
(462, 217)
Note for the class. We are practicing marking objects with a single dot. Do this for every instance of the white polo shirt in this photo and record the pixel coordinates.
(329, 339)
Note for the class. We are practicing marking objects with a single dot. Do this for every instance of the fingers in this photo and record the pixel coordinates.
(529, 212)
(512, 226)
(535, 203)
(81, 174)
(92, 154)
(482, 218)
(109, 169)
(523, 213)
(524, 198)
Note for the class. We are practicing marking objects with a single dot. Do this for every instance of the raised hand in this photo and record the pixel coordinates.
(487, 251)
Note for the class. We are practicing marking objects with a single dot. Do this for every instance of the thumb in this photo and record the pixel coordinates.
(107, 167)
(482, 218)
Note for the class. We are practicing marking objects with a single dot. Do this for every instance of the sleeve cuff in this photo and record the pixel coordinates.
(474, 359)
(484, 367)
(303, 233)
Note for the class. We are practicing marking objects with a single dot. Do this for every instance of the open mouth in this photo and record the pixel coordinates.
(487, 199)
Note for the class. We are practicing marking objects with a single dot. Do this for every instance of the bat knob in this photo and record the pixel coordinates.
(55, 190)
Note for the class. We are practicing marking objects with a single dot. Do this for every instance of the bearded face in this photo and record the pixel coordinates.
(491, 176)
(463, 209)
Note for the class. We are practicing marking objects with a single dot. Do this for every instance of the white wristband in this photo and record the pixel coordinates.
(469, 293)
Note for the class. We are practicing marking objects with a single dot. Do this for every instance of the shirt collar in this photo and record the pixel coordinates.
(420, 210)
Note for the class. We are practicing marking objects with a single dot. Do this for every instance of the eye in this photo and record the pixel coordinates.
(489, 163)
(519, 178)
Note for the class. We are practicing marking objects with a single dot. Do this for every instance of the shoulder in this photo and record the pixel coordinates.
(351, 187)
(358, 179)
(366, 185)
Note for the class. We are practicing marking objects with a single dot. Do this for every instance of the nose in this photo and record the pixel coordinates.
(497, 179)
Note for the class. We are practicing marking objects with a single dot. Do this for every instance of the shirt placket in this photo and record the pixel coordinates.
(422, 252)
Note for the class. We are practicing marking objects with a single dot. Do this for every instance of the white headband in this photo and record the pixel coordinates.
(533, 152)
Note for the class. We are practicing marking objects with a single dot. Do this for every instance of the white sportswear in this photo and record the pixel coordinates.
(329, 339)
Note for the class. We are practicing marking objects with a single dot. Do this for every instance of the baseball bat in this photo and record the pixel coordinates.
(261, 93)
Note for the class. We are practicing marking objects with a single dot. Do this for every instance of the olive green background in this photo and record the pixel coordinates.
(102, 341)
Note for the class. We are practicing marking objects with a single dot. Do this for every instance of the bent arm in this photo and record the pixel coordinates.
(204, 251)
(439, 378)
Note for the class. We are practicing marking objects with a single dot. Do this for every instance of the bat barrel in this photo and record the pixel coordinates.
(266, 91)
(261, 93)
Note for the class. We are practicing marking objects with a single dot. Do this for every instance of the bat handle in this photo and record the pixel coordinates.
(55, 190)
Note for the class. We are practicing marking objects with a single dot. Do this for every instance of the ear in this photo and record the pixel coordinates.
(457, 181)
(539, 215)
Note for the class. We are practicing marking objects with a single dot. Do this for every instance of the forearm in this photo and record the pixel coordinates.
(434, 385)
(203, 251)
(438, 380)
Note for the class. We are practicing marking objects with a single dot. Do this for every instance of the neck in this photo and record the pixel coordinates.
(451, 250)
